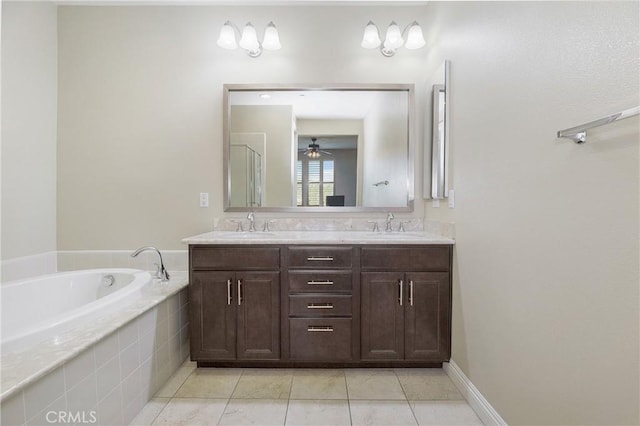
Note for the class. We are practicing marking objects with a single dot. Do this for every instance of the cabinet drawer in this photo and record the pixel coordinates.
(434, 258)
(330, 305)
(319, 281)
(235, 258)
(320, 257)
(320, 339)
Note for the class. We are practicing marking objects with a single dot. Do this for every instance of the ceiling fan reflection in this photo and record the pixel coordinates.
(314, 151)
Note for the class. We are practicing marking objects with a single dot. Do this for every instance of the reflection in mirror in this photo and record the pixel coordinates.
(440, 139)
(295, 148)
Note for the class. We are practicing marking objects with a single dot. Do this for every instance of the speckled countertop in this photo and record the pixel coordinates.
(318, 237)
(24, 367)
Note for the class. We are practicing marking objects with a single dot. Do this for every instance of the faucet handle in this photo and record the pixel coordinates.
(265, 227)
(375, 228)
(239, 222)
(401, 226)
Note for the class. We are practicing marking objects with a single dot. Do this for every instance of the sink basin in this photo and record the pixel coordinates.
(243, 235)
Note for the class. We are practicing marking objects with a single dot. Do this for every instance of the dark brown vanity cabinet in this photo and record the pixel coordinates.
(406, 304)
(310, 305)
(321, 303)
(234, 303)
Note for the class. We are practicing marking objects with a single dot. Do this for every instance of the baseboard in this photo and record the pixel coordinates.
(480, 405)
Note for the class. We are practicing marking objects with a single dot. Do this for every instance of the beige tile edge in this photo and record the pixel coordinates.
(476, 400)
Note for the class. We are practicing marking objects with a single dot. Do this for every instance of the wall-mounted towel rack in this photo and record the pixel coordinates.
(578, 134)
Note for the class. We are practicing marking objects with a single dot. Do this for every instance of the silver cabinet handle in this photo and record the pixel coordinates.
(411, 292)
(324, 282)
(320, 258)
(229, 292)
(239, 292)
(322, 328)
(400, 298)
(320, 306)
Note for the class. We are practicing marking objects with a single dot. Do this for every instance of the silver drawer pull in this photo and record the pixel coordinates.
(313, 328)
(325, 282)
(320, 306)
(320, 258)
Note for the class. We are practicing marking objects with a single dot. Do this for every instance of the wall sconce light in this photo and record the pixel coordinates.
(249, 38)
(393, 39)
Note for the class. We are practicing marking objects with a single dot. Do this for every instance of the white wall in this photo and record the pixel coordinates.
(385, 153)
(140, 108)
(546, 257)
(29, 98)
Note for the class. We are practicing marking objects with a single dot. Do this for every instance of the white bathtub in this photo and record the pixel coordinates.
(43, 307)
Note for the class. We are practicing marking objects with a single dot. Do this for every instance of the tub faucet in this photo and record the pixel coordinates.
(252, 222)
(161, 272)
(387, 228)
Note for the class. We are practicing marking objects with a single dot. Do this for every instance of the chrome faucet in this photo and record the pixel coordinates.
(387, 228)
(252, 222)
(161, 272)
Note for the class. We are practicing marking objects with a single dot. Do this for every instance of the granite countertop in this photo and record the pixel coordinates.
(318, 237)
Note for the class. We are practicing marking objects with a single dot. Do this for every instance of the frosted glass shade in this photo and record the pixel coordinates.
(249, 39)
(415, 39)
(227, 39)
(271, 38)
(371, 38)
(393, 39)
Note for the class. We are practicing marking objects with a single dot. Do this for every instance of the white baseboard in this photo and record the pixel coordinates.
(480, 405)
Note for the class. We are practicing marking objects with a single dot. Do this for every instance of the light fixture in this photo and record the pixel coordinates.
(393, 38)
(249, 38)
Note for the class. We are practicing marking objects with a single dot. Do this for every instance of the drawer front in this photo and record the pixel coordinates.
(319, 281)
(330, 305)
(435, 258)
(320, 257)
(235, 258)
(320, 339)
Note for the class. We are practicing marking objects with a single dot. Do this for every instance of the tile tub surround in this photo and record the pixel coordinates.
(220, 396)
(111, 367)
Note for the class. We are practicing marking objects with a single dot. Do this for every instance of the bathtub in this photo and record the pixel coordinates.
(44, 307)
(74, 345)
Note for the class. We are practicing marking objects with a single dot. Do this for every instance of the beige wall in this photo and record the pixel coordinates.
(140, 108)
(276, 122)
(546, 258)
(29, 97)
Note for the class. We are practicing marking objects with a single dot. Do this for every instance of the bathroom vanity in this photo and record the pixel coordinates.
(288, 299)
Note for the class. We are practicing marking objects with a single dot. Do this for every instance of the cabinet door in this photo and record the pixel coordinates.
(258, 315)
(382, 315)
(213, 316)
(427, 328)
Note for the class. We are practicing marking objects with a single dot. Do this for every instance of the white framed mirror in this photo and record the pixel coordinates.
(292, 148)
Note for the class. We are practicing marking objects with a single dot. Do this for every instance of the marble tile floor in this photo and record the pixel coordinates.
(246, 396)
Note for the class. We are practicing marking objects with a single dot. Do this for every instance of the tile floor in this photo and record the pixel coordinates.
(247, 396)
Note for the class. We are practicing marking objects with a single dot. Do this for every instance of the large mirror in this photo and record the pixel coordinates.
(327, 149)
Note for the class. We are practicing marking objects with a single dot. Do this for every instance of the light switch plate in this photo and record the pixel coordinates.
(204, 199)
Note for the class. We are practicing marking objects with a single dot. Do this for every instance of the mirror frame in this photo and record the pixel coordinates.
(409, 88)
(439, 186)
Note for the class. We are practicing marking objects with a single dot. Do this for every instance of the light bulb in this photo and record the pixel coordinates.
(249, 39)
(371, 38)
(227, 39)
(271, 38)
(393, 39)
(415, 39)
